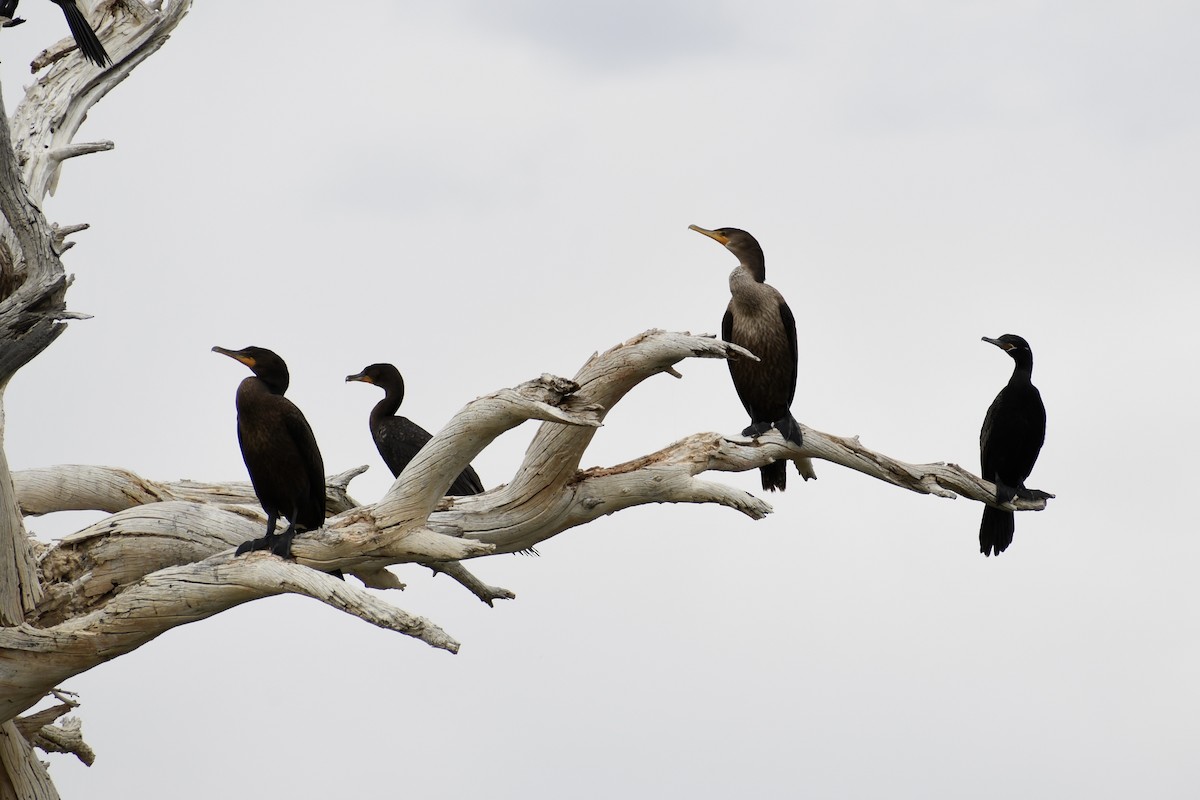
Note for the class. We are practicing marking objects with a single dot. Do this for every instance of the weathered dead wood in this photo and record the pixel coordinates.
(83, 487)
(32, 280)
(32, 303)
(33, 660)
(414, 523)
(64, 738)
(55, 106)
(40, 730)
(122, 582)
(23, 776)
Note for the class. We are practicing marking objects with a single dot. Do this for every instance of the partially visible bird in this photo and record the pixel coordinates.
(8, 8)
(81, 30)
(86, 38)
(758, 319)
(1009, 442)
(279, 449)
(399, 439)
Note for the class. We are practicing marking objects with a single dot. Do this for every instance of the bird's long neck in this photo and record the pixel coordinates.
(747, 288)
(753, 263)
(251, 393)
(387, 407)
(1023, 371)
(275, 381)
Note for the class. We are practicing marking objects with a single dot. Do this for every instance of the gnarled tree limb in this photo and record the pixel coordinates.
(415, 524)
(81, 487)
(163, 561)
(32, 280)
(36, 659)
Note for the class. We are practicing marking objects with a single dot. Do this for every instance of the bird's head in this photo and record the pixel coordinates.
(383, 375)
(747, 249)
(1015, 346)
(1009, 342)
(266, 365)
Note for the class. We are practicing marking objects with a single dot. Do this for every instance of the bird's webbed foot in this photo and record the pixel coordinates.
(282, 546)
(255, 544)
(1033, 494)
(8, 10)
(1004, 493)
(757, 429)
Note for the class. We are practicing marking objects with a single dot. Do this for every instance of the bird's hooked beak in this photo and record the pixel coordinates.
(360, 377)
(236, 355)
(720, 237)
(1005, 346)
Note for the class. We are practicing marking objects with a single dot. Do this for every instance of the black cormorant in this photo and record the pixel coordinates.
(758, 319)
(8, 11)
(398, 439)
(85, 38)
(1009, 443)
(279, 449)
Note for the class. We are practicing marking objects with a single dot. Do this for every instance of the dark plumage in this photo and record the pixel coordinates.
(85, 38)
(1009, 443)
(399, 439)
(758, 319)
(279, 449)
(81, 30)
(8, 10)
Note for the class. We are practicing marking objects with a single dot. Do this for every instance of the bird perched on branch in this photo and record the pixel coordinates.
(279, 449)
(758, 319)
(81, 30)
(7, 9)
(1012, 435)
(399, 439)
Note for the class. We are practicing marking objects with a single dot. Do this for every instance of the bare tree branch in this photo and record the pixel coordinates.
(79, 487)
(41, 658)
(40, 731)
(64, 738)
(32, 280)
(23, 775)
(544, 499)
(56, 105)
(472, 584)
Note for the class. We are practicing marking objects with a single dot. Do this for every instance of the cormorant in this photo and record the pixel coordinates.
(758, 319)
(398, 439)
(85, 38)
(279, 449)
(8, 10)
(1009, 443)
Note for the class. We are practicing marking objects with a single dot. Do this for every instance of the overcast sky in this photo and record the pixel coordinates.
(481, 192)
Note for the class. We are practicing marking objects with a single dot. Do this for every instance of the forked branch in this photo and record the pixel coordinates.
(165, 560)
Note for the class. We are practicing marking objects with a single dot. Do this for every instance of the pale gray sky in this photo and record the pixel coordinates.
(483, 192)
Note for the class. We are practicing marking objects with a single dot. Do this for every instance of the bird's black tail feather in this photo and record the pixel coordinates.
(774, 476)
(995, 531)
(466, 483)
(790, 430)
(86, 39)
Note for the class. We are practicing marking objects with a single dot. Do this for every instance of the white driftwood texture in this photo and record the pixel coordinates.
(168, 548)
(81, 487)
(413, 522)
(33, 300)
